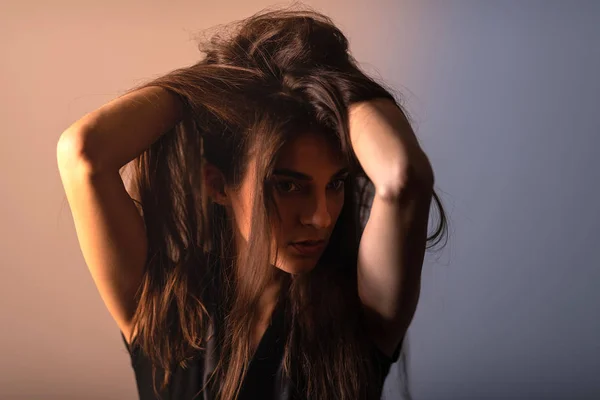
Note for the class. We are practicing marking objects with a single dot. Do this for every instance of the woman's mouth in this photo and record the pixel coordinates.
(309, 248)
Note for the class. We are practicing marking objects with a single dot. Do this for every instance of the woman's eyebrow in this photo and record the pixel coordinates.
(292, 174)
(340, 173)
(303, 177)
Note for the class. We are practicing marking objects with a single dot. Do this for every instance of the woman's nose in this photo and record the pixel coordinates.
(316, 212)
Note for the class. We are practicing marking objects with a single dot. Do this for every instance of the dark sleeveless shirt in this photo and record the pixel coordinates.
(264, 379)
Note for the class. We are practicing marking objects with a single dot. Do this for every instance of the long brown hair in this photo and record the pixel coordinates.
(264, 79)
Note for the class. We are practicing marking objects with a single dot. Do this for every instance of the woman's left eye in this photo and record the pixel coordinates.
(287, 186)
(338, 184)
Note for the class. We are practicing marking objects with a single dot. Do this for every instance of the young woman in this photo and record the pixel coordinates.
(236, 265)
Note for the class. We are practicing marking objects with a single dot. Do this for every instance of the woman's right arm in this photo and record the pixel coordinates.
(109, 228)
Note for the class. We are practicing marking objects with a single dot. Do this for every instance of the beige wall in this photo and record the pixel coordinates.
(59, 60)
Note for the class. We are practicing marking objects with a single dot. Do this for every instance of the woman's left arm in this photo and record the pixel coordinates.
(393, 243)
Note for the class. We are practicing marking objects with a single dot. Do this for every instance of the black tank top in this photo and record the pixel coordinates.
(264, 379)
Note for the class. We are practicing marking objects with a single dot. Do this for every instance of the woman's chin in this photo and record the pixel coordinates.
(297, 266)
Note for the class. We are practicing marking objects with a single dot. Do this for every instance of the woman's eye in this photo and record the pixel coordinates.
(338, 184)
(287, 186)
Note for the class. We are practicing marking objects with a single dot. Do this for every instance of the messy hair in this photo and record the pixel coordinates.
(262, 81)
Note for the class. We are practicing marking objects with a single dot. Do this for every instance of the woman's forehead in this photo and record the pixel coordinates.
(309, 151)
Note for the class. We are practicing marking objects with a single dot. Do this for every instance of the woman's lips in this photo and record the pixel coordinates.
(309, 248)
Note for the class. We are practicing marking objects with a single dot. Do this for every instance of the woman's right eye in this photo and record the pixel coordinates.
(287, 186)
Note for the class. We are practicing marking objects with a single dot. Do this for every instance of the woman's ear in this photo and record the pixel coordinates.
(214, 181)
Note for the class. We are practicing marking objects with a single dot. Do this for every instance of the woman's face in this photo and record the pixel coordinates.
(308, 187)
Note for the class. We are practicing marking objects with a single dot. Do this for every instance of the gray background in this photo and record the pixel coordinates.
(510, 309)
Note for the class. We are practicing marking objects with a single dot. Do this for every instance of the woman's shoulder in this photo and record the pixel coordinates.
(211, 308)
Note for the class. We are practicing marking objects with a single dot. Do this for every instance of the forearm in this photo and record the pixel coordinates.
(386, 146)
(119, 131)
